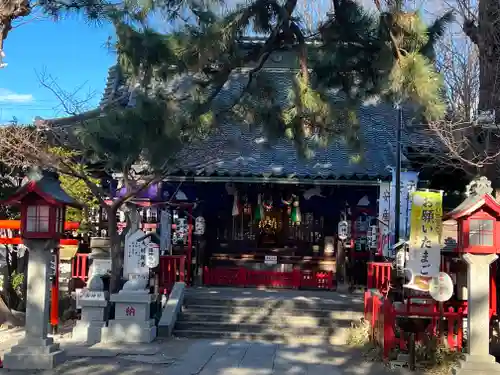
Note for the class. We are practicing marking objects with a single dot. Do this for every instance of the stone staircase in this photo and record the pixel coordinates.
(283, 316)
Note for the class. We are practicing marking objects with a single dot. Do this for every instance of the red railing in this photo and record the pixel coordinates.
(16, 224)
(382, 316)
(172, 270)
(243, 277)
(19, 241)
(378, 274)
(80, 267)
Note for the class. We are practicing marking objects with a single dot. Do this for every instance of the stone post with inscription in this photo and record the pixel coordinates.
(94, 302)
(132, 323)
(478, 359)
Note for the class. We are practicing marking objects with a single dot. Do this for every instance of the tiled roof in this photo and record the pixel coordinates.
(235, 151)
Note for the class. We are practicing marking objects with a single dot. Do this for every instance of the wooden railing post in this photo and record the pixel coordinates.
(389, 326)
(370, 281)
(182, 268)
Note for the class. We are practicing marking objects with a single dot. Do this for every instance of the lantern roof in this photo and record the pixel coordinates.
(46, 184)
(472, 204)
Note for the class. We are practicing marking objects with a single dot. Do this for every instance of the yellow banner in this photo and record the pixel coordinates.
(425, 238)
(426, 218)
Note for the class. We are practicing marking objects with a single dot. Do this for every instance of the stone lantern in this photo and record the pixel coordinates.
(478, 243)
(43, 204)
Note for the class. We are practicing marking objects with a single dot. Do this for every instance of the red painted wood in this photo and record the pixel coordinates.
(54, 296)
(172, 269)
(19, 241)
(379, 273)
(79, 267)
(240, 276)
(16, 224)
(382, 315)
(190, 243)
(493, 288)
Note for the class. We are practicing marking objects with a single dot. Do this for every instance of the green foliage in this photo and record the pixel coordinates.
(415, 79)
(357, 54)
(76, 187)
(17, 280)
(8, 186)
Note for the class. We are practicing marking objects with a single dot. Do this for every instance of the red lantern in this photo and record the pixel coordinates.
(43, 206)
(41, 219)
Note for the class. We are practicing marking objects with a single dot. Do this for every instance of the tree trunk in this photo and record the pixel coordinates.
(116, 252)
(10, 296)
(10, 10)
(8, 317)
(488, 43)
(486, 36)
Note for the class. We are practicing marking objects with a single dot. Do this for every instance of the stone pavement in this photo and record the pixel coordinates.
(210, 357)
(178, 356)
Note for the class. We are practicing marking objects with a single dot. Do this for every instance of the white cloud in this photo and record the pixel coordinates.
(8, 96)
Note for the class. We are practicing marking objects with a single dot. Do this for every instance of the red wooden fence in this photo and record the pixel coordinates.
(80, 267)
(172, 269)
(378, 274)
(243, 277)
(381, 314)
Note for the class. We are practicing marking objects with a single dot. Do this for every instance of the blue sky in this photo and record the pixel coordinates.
(71, 51)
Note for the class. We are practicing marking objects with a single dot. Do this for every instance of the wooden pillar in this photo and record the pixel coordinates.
(493, 287)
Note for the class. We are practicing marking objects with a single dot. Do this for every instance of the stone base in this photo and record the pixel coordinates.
(129, 332)
(477, 365)
(33, 357)
(89, 333)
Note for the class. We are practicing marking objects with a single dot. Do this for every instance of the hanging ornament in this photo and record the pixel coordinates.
(258, 209)
(148, 215)
(343, 230)
(122, 216)
(247, 208)
(236, 208)
(295, 215)
(154, 214)
(199, 226)
(288, 204)
(268, 204)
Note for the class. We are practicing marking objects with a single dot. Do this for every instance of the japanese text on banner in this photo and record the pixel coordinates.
(425, 238)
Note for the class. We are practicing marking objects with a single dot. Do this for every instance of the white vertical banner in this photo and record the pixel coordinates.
(384, 216)
(409, 181)
(165, 232)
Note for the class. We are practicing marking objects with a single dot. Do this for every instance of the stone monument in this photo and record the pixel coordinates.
(94, 302)
(132, 323)
(100, 256)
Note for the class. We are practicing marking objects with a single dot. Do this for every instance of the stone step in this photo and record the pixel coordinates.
(276, 327)
(298, 319)
(274, 304)
(284, 311)
(277, 337)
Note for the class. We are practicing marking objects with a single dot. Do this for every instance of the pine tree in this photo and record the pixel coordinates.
(361, 55)
(388, 55)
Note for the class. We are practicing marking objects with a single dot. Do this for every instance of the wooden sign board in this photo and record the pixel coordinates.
(271, 259)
